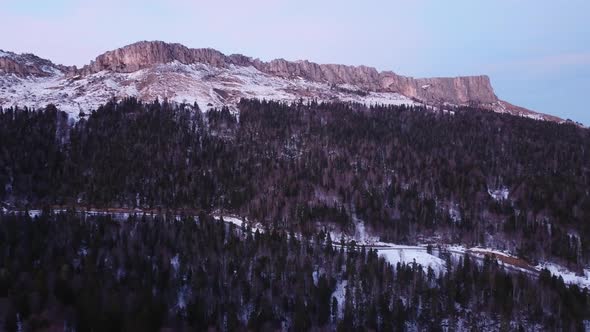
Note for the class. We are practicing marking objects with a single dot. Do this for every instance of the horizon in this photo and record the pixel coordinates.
(531, 63)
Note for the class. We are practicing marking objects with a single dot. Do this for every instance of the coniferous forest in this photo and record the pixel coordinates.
(69, 272)
(410, 175)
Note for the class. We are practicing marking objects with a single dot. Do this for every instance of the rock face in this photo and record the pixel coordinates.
(142, 55)
(23, 65)
(459, 90)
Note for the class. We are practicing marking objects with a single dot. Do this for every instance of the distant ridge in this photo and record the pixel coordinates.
(151, 69)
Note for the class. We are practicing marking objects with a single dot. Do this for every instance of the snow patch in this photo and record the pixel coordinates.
(454, 213)
(487, 251)
(500, 194)
(340, 295)
(239, 222)
(182, 297)
(569, 277)
(177, 82)
(175, 262)
(412, 254)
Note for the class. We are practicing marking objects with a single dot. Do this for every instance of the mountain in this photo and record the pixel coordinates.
(150, 70)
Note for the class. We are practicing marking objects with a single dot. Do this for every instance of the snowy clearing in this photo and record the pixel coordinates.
(569, 277)
(410, 255)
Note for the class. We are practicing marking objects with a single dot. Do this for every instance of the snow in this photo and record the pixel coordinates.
(569, 277)
(393, 253)
(454, 213)
(500, 194)
(35, 213)
(410, 254)
(109, 83)
(361, 236)
(182, 297)
(340, 294)
(315, 277)
(487, 251)
(175, 262)
(534, 116)
(233, 220)
(19, 323)
(83, 251)
(177, 82)
(239, 222)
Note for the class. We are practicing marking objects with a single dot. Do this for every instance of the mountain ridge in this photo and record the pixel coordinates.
(456, 90)
(153, 69)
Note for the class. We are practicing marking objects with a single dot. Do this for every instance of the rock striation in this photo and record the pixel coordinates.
(465, 90)
(142, 55)
(23, 65)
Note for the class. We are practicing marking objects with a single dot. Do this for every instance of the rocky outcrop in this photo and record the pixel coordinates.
(458, 90)
(464, 90)
(24, 65)
(142, 55)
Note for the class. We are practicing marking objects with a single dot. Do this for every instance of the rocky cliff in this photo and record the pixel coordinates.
(457, 90)
(28, 65)
(142, 55)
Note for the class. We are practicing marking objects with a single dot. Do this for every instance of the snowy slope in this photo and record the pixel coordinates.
(206, 85)
(412, 254)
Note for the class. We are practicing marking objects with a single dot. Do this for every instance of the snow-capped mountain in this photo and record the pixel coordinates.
(150, 70)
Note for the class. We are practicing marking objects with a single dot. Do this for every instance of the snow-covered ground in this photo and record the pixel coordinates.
(206, 85)
(239, 222)
(175, 263)
(569, 277)
(340, 295)
(409, 255)
(499, 194)
(395, 253)
(488, 251)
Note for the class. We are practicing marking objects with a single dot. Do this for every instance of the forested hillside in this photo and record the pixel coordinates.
(409, 174)
(69, 272)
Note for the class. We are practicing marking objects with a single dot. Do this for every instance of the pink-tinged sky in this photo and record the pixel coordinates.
(537, 53)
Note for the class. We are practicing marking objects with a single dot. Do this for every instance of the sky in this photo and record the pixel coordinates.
(536, 52)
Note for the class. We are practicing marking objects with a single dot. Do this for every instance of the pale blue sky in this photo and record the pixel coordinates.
(537, 53)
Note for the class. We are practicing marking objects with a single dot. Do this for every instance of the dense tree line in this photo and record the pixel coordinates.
(406, 172)
(93, 273)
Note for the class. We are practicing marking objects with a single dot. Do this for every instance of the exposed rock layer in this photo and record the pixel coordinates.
(28, 65)
(458, 90)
